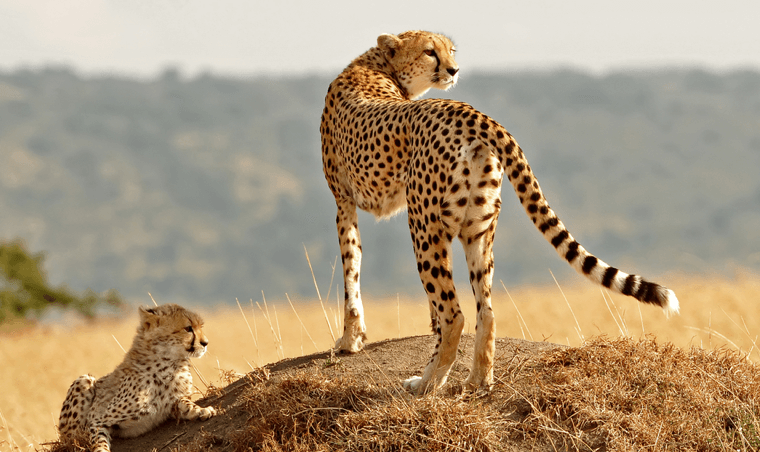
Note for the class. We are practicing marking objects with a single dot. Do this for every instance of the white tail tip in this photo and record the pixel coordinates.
(671, 306)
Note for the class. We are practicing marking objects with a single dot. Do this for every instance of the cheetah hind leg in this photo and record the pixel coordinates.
(480, 262)
(447, 320)
(76, 407)
(477, 237)
(437, 370)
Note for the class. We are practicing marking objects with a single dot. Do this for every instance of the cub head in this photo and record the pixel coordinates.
(421, 60)
(172, 331)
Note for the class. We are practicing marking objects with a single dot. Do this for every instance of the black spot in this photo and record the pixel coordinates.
(572, 252)
(560, 238)
(430, 288)
(589, 263)
(630, 282)
(609, 276)
(647, 292)
(550, 223)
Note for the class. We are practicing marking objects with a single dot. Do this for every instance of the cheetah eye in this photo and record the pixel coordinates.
(429, 52)
(452, 51)
(189, 329)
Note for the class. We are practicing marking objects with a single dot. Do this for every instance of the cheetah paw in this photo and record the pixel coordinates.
(350, 345)
(207, 413)
(412, 384)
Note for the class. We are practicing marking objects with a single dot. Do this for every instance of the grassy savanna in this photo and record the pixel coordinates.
(38, 364)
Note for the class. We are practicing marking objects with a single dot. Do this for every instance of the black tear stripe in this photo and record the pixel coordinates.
(589, 264)
(609, 276)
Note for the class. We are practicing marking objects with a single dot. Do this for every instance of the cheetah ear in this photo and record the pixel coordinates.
(389, 44)
(148, 318)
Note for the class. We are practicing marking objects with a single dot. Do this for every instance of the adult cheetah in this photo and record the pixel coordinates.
(152, 384)
(443, 161)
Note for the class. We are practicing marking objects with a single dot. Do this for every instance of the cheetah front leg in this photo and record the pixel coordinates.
(433, 253)
(354, 330)
(187, 410)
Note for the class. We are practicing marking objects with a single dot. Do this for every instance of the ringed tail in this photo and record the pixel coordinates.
(554, 231)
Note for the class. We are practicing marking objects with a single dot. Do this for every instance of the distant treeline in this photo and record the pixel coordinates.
(208, 188)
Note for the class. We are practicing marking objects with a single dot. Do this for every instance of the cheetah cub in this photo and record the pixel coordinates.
(150, 385)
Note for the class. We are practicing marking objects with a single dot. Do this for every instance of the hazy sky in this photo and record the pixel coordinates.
(243, 37)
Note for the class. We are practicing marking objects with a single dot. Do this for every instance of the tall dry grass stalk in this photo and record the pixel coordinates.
(316, 286)
(316, 348)
(39, 364)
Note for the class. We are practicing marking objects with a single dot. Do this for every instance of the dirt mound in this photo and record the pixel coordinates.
(620, 394)
(383, 364)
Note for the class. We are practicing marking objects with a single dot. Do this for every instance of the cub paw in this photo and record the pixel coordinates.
(207, 413)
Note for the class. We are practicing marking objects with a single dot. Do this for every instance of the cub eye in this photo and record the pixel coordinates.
(189, 329)
(429, 52)
(452, 51)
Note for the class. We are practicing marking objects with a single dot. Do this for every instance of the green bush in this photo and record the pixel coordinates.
(25, 292)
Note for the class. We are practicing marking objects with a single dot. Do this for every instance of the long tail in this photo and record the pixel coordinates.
(528, 191)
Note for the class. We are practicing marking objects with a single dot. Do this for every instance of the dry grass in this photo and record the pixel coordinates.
(308, 412)
(638, 395)
(39, 364)
(609, 394)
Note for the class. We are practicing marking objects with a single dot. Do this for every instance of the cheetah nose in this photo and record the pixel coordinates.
(204, 342)
(452, 71)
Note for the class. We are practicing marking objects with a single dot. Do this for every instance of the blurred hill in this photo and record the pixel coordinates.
(207, 189)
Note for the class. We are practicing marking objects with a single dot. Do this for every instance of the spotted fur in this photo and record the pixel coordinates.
(443, 161)
(152, 384)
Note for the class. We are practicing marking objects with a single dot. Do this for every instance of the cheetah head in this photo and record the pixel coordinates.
(172, 331)
(421, 60)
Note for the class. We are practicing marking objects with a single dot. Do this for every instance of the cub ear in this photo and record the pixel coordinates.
(148, 318)
(389, 44)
